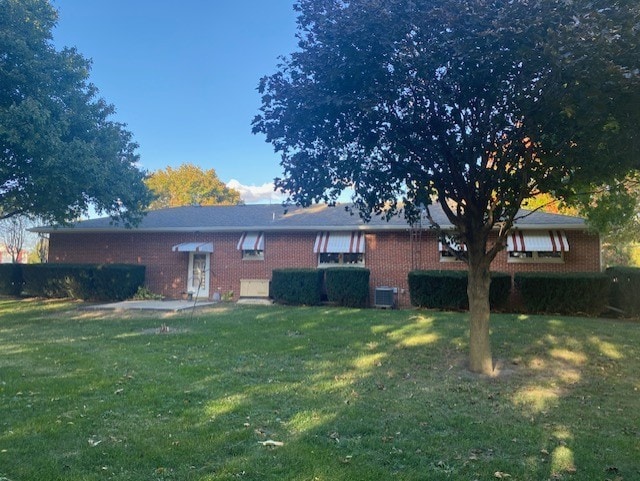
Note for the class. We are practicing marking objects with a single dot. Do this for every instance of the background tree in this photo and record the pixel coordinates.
(13, 236)
(189, 185)
(40, 252)
(59, 152)
(478, 105)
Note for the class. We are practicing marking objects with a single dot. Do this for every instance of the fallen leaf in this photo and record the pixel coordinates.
(271, 443)
(501, 475)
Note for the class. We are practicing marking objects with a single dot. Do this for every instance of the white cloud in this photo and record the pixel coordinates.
(256, 194)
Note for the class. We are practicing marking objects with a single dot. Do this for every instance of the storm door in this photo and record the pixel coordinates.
(198, 280)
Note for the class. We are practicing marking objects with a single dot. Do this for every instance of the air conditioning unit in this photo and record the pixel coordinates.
(385, 297)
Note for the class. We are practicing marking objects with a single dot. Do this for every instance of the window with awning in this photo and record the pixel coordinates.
(205, 247)
(252, 245)
(340, 248)
(339, 242)
(537, 246)
(251, 241)
(445, 253)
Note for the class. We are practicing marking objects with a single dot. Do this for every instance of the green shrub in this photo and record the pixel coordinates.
(102, 282)
(297, 286)
(11, 279)
(500, 290)
(144, 294)
(347, 286)
(448, 289)
(438, 289)
(570, 293)
(625, 289)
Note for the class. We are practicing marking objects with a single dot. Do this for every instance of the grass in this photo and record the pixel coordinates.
(349, 394)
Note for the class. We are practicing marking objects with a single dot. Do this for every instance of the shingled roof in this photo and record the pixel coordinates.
(264, 217)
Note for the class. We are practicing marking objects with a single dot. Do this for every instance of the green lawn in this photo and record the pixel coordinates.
(349, 394)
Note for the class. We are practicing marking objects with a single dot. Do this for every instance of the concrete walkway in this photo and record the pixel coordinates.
(168, 305)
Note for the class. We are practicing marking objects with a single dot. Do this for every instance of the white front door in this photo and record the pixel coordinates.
(198, 280)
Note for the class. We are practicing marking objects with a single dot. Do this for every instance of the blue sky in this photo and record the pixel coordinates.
(183, 76)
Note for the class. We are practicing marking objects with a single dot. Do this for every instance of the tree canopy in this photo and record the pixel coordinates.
(60, 154)
(475, 105)
(189, 185)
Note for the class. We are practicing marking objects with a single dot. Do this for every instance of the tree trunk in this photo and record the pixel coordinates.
(480, 360)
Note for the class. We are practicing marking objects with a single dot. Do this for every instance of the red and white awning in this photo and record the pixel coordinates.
(251, 241)
(540, 241)
(339, 243)
(193, 247)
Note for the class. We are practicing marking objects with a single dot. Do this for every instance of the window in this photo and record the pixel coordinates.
(445, 253)
(340, 248)
(537, 247)
(251, 244)
(252, 255)
(536, 256)
(345, 258)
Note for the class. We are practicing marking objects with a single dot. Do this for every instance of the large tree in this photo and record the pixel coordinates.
(189, 185)
(60, 154)
(476, 105)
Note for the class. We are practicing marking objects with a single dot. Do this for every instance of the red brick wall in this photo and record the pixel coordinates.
(388, 257)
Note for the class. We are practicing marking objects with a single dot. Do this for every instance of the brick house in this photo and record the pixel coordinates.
(219, 250)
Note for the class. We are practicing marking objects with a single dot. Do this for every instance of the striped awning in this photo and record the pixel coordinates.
(193, 247)
(251, 241)
(339, 243)
(540, 241)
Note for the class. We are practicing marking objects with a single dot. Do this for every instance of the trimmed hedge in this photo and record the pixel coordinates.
(102, 282)
(500, 290)
(10, 279)
(569, 293)
(347, 286)
(297, 286)
(625, 289)
(448, 289)
(438, 289)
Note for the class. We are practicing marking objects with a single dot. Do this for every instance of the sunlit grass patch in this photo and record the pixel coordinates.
(562, 461)
(537, 398)
(569, 356)
(607, 348)
(418, 340)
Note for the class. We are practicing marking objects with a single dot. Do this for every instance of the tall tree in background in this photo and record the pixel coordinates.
(478, 105)
(59, 152)
(13, 236)
(189, 185)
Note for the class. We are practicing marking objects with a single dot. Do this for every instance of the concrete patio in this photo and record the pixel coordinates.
(150, 305)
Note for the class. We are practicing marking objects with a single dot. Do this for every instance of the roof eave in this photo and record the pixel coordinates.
(275, 228)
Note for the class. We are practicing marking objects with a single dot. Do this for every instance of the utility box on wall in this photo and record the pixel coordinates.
(254, 288)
